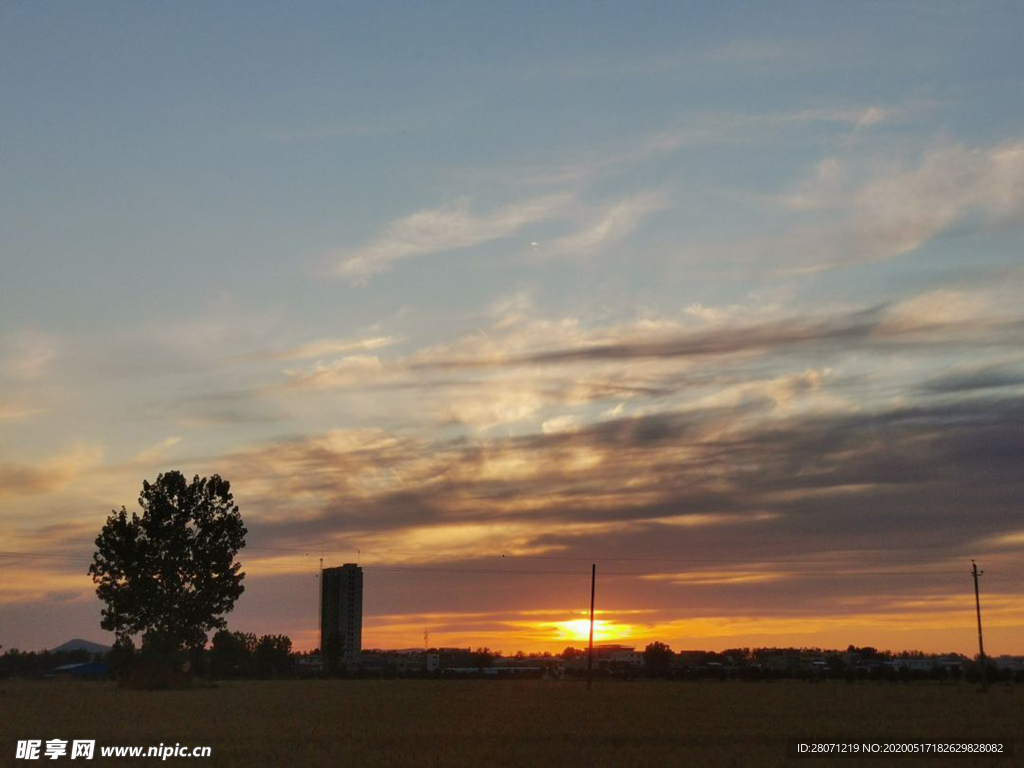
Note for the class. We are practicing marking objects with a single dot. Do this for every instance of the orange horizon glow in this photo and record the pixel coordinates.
(604, 630)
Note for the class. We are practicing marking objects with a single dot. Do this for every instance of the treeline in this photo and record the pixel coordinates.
(866, 663)
(234, 655)
(15, 663)
(230, 655)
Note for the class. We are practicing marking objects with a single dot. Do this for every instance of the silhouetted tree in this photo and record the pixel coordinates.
(484, 657)
(171, 573)
(231, 653)
(120, 655)
(739, 655)
(658, 658)
(273, 656)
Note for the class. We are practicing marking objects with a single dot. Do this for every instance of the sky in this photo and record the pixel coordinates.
(722, 297)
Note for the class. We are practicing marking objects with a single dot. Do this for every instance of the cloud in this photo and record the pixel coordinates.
(699, 130)
(872, 116)
(512, 309)
(329, 347)
(729, 517)
(822, 190)
(11, 410)
(900, 212)
(525, 370)
(436, 230)
(640, 470)
(156, 453)
(25, 356)
(611, 225)
(50, 475)
(752, 57)
(345, 370)
(219, 407)
(976, 378)
(939, 318)
(738, 516)
(565, 423)
(897, 211)
(721, 341)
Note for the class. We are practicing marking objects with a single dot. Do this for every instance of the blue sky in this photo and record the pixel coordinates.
(274, 242)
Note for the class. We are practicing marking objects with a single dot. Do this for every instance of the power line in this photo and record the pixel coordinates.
(523, 571)
(591, 558)
(318, 548)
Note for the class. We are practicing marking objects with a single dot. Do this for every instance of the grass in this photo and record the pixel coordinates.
(505, 723)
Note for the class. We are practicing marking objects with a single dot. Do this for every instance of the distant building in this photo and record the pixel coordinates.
(690, 659)
(607, 655)
(620, 654)
(91, 670)
(341, 613)
(448, 658)
(1013, 663)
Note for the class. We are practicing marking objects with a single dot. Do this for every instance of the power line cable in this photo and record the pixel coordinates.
(814, 558)
(519, 571)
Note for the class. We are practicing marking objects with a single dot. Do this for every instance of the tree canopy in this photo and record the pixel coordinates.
(171, 572)
(658, 657)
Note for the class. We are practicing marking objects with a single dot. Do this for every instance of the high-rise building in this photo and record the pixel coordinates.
(341, 612)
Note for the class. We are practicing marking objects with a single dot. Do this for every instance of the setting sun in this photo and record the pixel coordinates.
(579, 629)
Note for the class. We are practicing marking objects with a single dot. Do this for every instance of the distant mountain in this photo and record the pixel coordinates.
(81, 645)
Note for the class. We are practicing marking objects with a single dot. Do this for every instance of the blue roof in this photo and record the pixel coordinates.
(85, 668)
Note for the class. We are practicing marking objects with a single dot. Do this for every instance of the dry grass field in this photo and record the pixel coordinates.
(505, 723)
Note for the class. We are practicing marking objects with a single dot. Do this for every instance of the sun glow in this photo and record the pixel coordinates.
(579, 629)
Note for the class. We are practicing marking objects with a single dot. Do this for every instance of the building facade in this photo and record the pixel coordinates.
(341, 613)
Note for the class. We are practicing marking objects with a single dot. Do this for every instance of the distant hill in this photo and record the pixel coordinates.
(81, 645)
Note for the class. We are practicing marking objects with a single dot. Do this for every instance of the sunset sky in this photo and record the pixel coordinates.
(725, 298)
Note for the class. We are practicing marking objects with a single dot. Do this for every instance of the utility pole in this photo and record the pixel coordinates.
(981, 643)
(320, 594)
(590, 646)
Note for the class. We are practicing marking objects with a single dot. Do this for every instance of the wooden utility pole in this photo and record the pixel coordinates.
(320, 603)
(977, 607)
(590, 646)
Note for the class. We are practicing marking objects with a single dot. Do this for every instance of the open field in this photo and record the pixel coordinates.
(507, 723)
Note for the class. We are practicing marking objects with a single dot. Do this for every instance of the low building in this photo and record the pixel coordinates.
(690, 659)
(621, 655)
(1012, 663)
(607, 656)
(438, 659)
(91, 670)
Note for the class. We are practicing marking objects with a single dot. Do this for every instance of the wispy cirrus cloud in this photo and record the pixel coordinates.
(698, 130)
(436, 230)
(326, 347)
(49, 475)
(16, 410)
(610, 225)
(747, 55)
(896, 211)
(26, 355)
